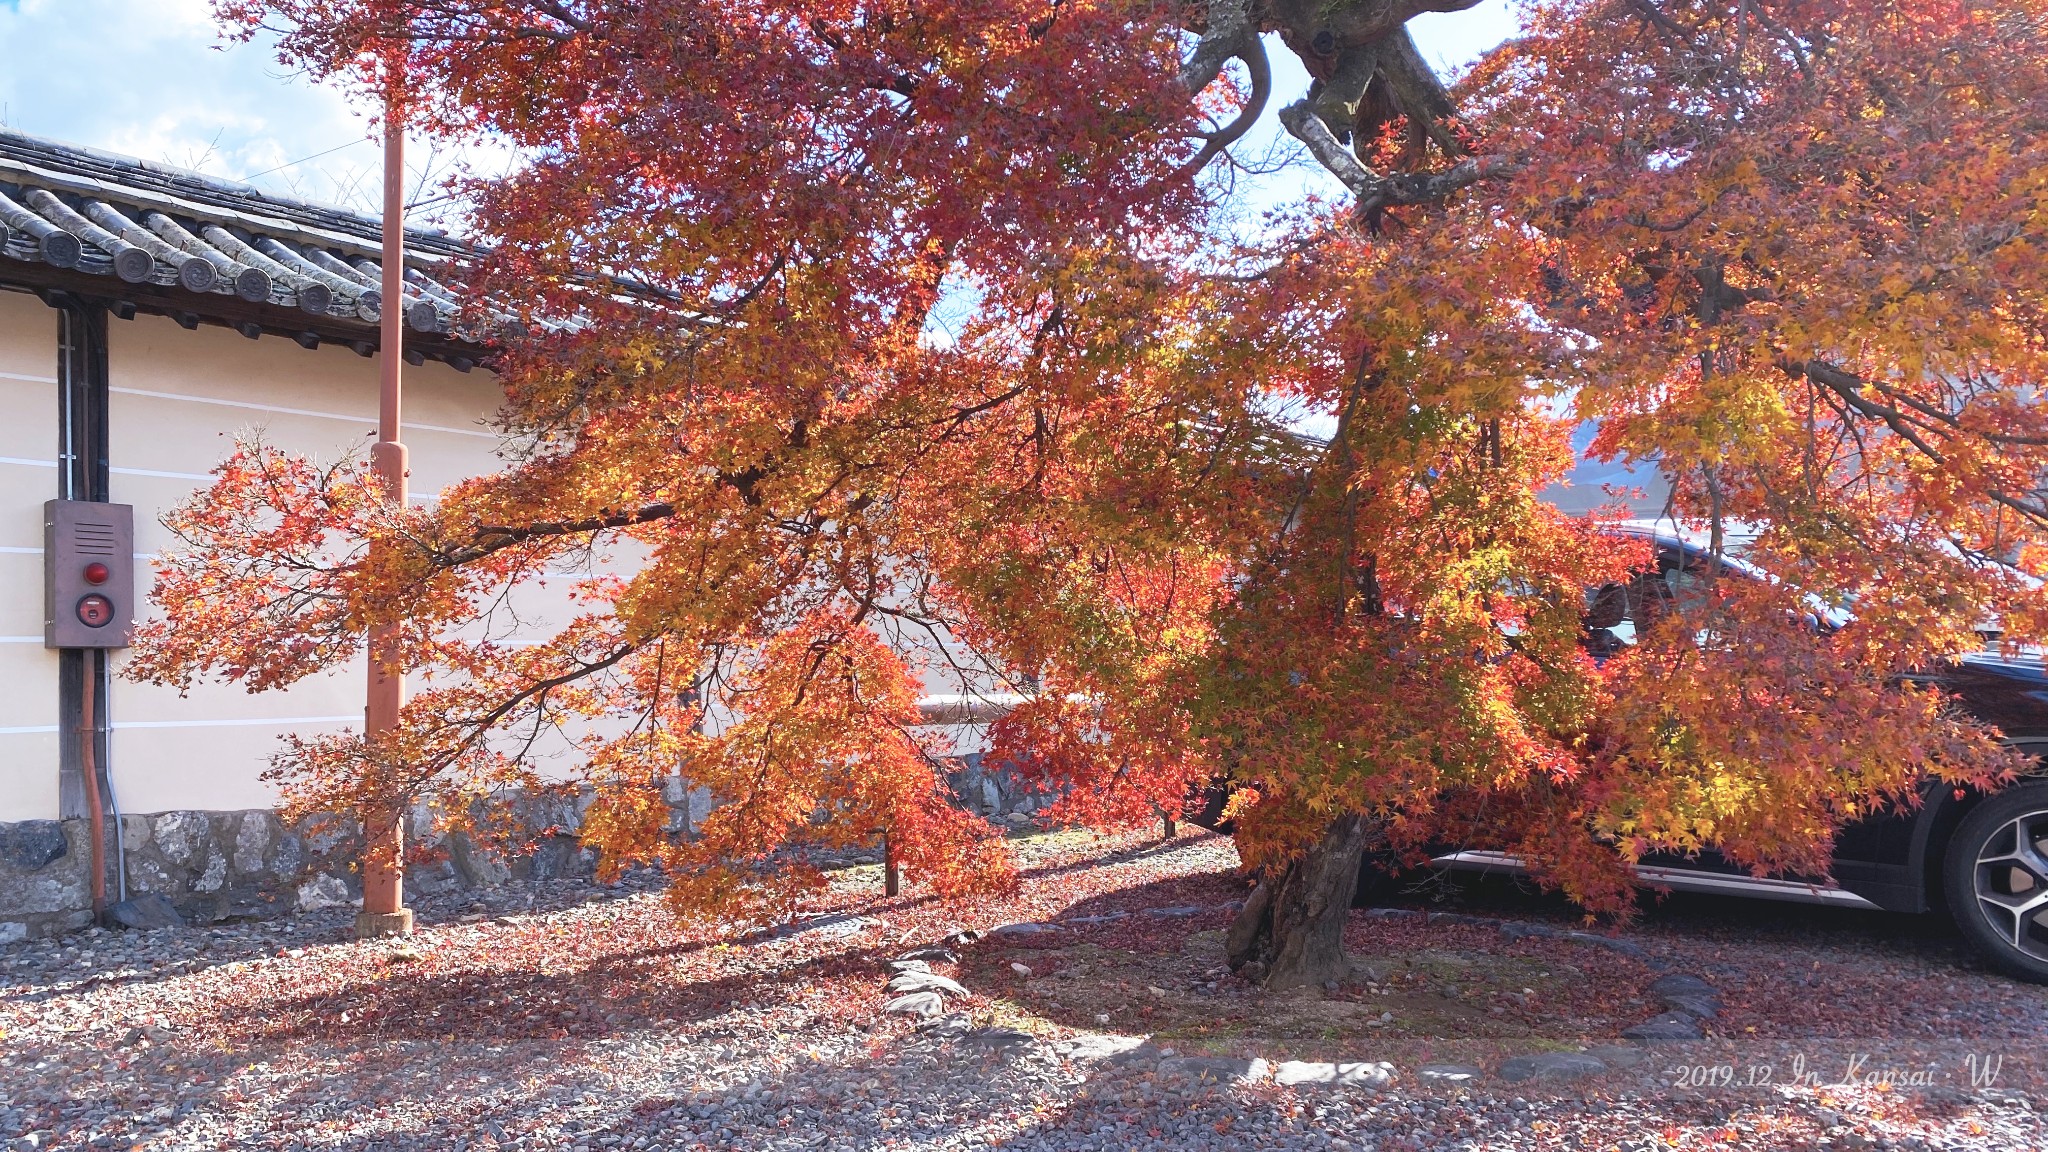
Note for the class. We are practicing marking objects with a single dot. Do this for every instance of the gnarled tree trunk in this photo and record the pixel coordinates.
(1291, 931)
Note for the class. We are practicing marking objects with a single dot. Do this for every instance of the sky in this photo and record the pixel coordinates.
(153, 79)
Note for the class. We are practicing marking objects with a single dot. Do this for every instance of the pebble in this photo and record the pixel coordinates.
(90, 1061)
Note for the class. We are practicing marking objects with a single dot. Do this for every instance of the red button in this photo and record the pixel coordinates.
(96, 573)
(95, 610)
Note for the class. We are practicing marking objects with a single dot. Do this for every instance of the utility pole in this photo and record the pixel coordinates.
(384, 912)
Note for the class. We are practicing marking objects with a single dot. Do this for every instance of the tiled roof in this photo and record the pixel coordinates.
(207, 240)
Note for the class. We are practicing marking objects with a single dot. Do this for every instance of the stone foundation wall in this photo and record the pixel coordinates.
(213, 866)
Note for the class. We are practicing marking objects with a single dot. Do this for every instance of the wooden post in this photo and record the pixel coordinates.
(384, 912)
(892, 880)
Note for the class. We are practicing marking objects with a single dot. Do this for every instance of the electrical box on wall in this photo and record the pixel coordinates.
(88, 574)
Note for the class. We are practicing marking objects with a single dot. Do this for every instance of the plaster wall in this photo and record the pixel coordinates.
(179, 401)
(28, 477)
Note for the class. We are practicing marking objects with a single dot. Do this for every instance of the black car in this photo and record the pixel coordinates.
(1982, 858)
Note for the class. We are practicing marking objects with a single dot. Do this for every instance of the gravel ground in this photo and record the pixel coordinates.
(573, 1016)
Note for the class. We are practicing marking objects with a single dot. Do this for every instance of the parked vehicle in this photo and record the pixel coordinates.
(1981, 858)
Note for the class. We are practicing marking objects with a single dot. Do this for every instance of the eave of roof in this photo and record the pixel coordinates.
(191, 246)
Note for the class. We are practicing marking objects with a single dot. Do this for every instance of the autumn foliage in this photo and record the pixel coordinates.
(857, 348)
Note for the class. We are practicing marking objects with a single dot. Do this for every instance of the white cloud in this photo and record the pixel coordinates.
(154, 79)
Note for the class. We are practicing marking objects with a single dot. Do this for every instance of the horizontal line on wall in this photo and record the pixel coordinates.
(33, 730)
(369, 420)
(28, 379)
(27, 463)
(21, 639)
(11, 550)
(248, 723)
(159, 475)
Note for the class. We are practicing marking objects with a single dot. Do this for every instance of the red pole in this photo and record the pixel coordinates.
(384, 912)
(88, 736)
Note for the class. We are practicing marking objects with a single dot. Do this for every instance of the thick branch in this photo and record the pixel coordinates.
(489, 538)
(1229, 31)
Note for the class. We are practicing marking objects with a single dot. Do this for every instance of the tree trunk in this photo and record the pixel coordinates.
(1291, 930)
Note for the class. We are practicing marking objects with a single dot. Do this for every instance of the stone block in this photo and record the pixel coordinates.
(180, 836)
(322, 891)
(59, 886)
(32, 845)
(477, 866)
(322, 836)
(288, 856)
(146, 873)
(433, 878)
(252, 841)
(215, 873)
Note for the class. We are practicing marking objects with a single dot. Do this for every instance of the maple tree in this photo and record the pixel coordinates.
(1789, 250)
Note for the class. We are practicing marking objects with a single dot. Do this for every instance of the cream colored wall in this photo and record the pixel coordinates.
(28, 477)
(179, 398)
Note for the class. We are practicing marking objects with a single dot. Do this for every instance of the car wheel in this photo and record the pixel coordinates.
(1997, 880)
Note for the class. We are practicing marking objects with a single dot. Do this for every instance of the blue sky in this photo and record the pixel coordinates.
(151, 78)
